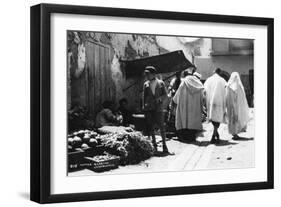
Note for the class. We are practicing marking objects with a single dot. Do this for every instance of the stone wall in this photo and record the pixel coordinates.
(123, 47)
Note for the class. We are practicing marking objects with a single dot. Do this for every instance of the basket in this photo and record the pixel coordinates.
(112, 162)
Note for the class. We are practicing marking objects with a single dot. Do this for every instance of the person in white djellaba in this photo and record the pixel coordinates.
(237, 106)
(188, 100)
(215, 102)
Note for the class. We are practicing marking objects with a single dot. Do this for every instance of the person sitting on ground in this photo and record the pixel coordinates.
(125, 112)
(106, 117)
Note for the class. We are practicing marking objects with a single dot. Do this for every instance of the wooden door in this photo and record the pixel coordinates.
(100, 84)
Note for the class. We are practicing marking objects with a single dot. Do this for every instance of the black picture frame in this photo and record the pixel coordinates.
(40, 102)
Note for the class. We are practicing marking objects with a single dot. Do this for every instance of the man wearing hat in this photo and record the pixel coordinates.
(154, 105)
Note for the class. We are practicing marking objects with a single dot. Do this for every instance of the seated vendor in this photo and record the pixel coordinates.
(125, 112)
(106, 117)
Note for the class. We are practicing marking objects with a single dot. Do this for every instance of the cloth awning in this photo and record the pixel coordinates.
(165, 63)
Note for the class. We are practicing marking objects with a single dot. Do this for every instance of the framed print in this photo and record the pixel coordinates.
(133, 103)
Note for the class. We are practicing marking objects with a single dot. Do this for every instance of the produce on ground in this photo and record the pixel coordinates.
(101, 158)
(132, 147)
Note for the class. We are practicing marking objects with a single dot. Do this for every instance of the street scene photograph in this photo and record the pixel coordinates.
(146, 103)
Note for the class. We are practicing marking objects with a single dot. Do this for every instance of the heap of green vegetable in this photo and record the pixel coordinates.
(131, 147)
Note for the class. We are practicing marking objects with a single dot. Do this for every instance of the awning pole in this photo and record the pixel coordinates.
(125, 89)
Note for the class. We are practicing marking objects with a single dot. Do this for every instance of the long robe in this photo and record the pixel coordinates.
(188, 99)
(236, 104)
(215, 98)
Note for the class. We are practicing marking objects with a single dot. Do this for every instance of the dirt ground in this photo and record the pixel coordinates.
(235, 154)
(199, 155)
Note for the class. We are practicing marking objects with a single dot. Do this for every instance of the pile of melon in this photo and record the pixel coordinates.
(83, 139)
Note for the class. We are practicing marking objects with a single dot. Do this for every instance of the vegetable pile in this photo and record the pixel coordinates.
(82, 139)
(132, 147)
(101, 158)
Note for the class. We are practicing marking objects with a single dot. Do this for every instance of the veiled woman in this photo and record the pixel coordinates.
(236, 105)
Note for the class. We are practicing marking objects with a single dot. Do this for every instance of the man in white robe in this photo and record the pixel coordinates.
(237, 106)
(188, 100)
(215, 101)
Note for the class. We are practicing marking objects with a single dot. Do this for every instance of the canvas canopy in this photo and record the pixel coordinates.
(165, 63)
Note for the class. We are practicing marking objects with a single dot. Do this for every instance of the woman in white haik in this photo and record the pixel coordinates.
(236, 105)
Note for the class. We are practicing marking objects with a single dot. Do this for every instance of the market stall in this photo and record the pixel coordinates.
(107, 148)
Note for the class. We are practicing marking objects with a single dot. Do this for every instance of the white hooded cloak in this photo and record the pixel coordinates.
(188, 99)
(236, 104)
(215, 98)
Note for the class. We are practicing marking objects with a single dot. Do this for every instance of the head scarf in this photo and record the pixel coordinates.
(198, 75)
(234, 83)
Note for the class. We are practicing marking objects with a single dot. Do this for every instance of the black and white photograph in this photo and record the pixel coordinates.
(140, 103)
(147, 103)
(130, 103)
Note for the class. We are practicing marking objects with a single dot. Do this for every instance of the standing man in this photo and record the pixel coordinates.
(215, 102)
(172, 89)
(154, 105)
(174, 84)
(189, 100)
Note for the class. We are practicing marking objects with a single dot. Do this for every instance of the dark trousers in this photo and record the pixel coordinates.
(216, 133)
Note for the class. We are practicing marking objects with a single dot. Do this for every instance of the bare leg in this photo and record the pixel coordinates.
(161, 123)
(215, 132)
(150, 128)
(213, 140)
(218, 136)
(163, 135)
(154, 140)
